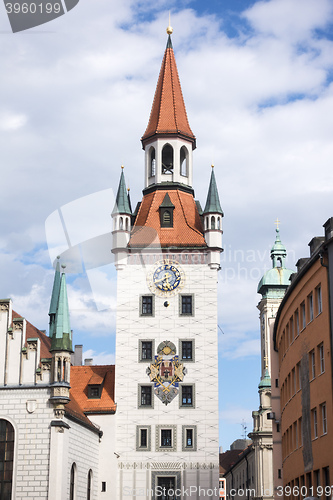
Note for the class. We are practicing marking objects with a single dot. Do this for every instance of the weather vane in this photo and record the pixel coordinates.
(277, 222)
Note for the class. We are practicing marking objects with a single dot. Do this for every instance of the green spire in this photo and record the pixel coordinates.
(122, 205)
(55, 289)
(213, 200)
(60, 331)
(54, 296)
(169, 43)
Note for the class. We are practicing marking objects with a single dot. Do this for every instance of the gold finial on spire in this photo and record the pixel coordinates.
(128, 190)
(169, 29)
(122, 166)
(277, 222)
(212, 165)
(266, 362)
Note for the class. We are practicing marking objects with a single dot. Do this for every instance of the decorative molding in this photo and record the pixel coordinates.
(192, 360)
(4, 305)
(154, 481)
(144, 407)
(138, 446)
(184, 406)
(194, 438)
(152, 350)
(180, 302)
(158, 437)
(31, 405)
(167, 466)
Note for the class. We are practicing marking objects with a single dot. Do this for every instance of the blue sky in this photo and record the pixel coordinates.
(76, 96)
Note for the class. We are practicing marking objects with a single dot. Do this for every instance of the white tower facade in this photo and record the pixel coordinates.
(166, 341)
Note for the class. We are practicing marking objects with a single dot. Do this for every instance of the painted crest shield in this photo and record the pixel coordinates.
(166, 372)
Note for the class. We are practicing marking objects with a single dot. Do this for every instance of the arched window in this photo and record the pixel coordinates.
(212, 222)
(89, 485)
(183, 161)
(127, 229)
(167, 219)
(152, 162)
(121, 223)
(6, 459)
(219, 223)
(167, 159)
(72, 482)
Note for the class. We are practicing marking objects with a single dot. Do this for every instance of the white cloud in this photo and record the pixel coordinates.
(11, 121)
(292, 21)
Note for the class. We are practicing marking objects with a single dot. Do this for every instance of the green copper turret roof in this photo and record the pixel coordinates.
(61, 334)
(122, 205)
(275, 281)
(265, 382)
(55, 290)
(213, 201)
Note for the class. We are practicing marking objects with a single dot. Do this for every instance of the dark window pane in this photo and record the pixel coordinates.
(187, 395)
(186, 304)
(143, 438)
(147, 305)
(166, 437)
(6, 459)
(189, 437)
(187, 349)
(145, 396)
(147, 350)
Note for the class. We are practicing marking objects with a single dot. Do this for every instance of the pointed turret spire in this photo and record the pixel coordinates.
(54, 297)
(122, 205)
(213, 201)
(61, 331)
(168, 114)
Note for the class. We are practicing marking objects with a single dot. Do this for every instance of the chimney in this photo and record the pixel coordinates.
(315, 243)
(77, 356)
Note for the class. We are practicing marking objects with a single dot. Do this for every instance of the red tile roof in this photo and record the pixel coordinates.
(187, 230)
(168, 113)
(33, 333)
(81, 377)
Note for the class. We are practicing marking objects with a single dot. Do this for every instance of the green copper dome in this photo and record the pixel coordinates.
(276, 280)
(265, 382)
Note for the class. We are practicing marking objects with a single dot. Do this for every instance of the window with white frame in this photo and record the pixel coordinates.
(321, 357)
(166, 437)
(319, 300)
(323, 418)
(310, 302)
(315, 423)
(303, 316)
(313, 364)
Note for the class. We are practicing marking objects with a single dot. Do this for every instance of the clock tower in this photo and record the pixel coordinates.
(167, 255)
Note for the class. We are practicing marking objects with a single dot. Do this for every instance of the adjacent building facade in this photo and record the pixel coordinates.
(303, 343)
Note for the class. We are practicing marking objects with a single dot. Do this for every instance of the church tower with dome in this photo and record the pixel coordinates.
(266, 421)
(167, 254)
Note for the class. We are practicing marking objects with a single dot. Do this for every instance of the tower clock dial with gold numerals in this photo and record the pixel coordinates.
(166, 279)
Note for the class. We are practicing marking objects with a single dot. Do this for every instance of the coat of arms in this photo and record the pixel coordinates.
(166, 372)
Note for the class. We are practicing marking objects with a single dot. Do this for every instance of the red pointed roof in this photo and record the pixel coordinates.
(168, 113)
(187, 230)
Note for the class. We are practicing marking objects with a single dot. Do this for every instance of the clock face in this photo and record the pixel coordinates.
(166, 279)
